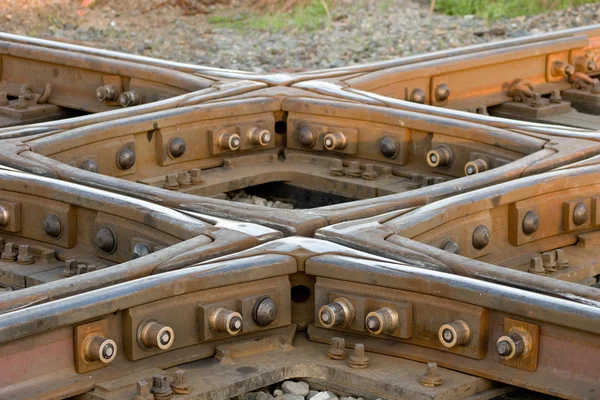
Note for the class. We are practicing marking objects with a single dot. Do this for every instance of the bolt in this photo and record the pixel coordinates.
(389, 147)
(53, 226)
(306, 136)
(131, 98)
(70, 268)
(98, 348)
(9, 254)
(265, 312)
(229, 141)
(591, 66)
(481, 237)
(3, 99)
(196, 176)
(142, 391)
(511, 346)
(555, 96)
(536, 266)
(25, 256)
(140, 250)
(432, 376)
(21, 103)
(441, 157)
(106, 240)
(549, 262)
(482, 110)
(81, 269)
(580, 214)
(442, 92)
(259, 136)
(4, 216)
(358, 358)
(107, 92)
(180, 384)
(531, 223)
(476, 166)
(161, 388)
(336, 168)
(183, 180)
(451, 247)
(353, 170)
(337, 349)
(176, 147)
(369, 174)
(418, 96)
(561, 259)
(171, 182)
(89, 165)
(125, 158)
(334, 141)
(537, 100)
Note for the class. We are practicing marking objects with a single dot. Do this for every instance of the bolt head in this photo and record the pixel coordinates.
(125, 158)
(389, 147)
(451, 247)
(89, 165)
(580, 214)
(531, 223)
(418, 96)
(176, 147)
(140, 250)
(265, 312)
(504, 347)
(306, 136)
(106, 240)
(481, 237)
(442, 92)
(53, 226)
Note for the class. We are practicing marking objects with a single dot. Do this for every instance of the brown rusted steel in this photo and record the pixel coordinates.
(173, 299)
(453, 198)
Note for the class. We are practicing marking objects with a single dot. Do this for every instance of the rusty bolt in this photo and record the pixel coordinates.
(140, 250)
(106, 240)
(451, 247)
(53, 226)
(560, 68)
(4, 216)
(561, 259)
(337, 349)
(536, 266)
(442, 92)
(161, 388)
(306, 136)
(183, 180)
(334, 141)
(180, 384)
(555, 96)
(107, 92)
(440, 157)
(358, 358)
(10, 252)
(125, 158)
(25, 256)
(389, 147)
(418, 96)
(21, 102)
(142, 391)
(130, 98)
(548, 261)
(580, 214)
(481, 237)
(354, 170)
(196, 176)
(3, 99)
(70, 268)
(171, 182)
(176, 147)
(89, 165)
(432, 376)
(591, 66)
(369, 174)
(531, 223)
(336, 168)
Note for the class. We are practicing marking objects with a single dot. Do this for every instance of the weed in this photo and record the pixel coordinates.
(496, 9)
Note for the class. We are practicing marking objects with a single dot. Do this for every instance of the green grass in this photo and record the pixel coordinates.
(496, 9)
(309, 17)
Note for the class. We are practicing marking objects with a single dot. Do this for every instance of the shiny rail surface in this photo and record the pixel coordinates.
(169, 230)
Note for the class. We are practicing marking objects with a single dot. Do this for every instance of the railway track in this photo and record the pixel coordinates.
(177, 231)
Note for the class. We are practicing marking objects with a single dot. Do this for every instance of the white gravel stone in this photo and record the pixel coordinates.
(311, 394)
(295, 388)
(278, 392)
(289, 396)
(325, 396)
(264, 396)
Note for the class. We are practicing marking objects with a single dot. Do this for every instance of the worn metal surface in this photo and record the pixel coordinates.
(453, 197)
